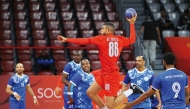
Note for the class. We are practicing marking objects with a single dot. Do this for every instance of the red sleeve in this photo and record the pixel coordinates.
(79, 41)
(97, 40)
(132, 37)
(59, 82)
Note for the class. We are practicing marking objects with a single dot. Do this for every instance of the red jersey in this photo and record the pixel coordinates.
(109, 46)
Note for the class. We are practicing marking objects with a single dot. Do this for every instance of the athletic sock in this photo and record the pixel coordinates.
(128, 92)
(104, 107)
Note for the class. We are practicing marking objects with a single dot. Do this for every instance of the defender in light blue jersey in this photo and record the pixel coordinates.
(80, 83)
(17, 86)
(173, 85)
(142, 77)
(69, 71)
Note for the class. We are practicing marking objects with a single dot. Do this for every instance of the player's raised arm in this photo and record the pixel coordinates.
(132, 37)
(79, 41)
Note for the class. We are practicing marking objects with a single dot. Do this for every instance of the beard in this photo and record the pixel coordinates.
(138, 66)
(20, 72)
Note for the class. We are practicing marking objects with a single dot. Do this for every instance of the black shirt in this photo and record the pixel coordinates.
(161, 23)
(150, 32)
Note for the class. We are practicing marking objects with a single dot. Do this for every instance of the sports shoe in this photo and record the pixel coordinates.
(136, 89)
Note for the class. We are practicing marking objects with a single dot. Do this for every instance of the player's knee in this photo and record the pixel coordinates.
(88, 93)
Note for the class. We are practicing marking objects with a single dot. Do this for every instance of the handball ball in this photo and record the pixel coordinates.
(130, 12)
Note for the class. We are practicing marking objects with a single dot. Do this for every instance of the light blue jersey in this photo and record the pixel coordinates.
(142, 79)
(18, 84)
(82, 82)
(70, 69)
(172, 84)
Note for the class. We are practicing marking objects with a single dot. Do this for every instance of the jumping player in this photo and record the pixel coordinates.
(110, 47)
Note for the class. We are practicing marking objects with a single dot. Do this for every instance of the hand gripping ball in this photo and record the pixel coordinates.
(130, 12)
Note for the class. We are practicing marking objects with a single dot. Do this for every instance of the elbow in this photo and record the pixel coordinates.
(132, 41)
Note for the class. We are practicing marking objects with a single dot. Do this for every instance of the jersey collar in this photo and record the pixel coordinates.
(76, 63)
(141, 71)
(170, 69)
(19, 75)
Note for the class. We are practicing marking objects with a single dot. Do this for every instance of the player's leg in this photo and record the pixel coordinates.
(92, 94)
(14, 104)
(94, 89)
(112, 84)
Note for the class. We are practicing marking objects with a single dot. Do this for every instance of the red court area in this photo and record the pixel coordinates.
(180, 46)
(43, 87)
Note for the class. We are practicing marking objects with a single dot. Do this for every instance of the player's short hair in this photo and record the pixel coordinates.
(76, 51)
(142, 57)
(110, 26)
(169, 58)
(84, 59)
(18, 65)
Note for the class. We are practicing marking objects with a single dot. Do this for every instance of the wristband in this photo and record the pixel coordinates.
(70, 93)
(34, 97)
(14, 93)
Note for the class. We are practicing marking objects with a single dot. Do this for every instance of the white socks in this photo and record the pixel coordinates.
(128, 92)
(104, 107)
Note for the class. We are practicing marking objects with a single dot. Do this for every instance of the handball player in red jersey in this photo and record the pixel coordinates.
(110, 47)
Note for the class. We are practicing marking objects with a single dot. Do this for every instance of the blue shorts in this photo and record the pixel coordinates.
(14, 104)
(66, 99)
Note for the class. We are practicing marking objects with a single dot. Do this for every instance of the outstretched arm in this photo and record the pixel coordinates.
(79, 41)
(141, 98)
